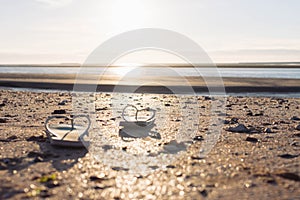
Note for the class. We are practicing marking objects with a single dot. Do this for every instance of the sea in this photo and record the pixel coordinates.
(250, 72)
(286, 73)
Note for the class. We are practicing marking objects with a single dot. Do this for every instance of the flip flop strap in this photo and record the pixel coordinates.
(65, 117)
(136, 113)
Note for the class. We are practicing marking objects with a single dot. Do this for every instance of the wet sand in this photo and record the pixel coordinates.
(108, 83)
(261, 162)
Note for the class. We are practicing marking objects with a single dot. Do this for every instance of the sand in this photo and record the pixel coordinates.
(260, 164)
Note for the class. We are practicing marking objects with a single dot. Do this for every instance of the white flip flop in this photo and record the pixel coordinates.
(65, 134)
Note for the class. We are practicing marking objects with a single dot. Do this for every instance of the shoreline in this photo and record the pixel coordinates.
(148, 89)
(108, 83)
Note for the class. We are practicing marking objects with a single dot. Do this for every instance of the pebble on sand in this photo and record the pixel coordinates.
(268, 130)
(240, 128)
(3, 120)
(295, 118)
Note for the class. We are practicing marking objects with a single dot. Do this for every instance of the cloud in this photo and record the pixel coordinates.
(55, 3)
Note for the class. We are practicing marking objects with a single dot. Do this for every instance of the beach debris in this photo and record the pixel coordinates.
(261, 113)
(295, 143)
(9, 139)
(3, 120)
(38, 159)
(249, 113)
(40, 138)
(171, 166)
(63, 102)
(47, 178)
(251, 139)
(226, 121)
(295, 118)
(203, 192)
(234, 120)
(289, 176)
(107, 147)
(207, 98)
(59, 112)
(297, 135)
(249, 184)
(97, 178)
(34, 192)
(120, 169)
(288, 156)
(10, 116)
(198, 138)
(102, 108)
(266, 124)
(240, 128)
(50, 181)
(297, 127)
(268, 130)
(196, 157)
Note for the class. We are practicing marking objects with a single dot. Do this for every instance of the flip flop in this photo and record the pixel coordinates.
(65, 134)
(138, 126)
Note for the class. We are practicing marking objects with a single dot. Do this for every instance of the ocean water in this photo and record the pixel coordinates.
(244, 94)
(288, 73)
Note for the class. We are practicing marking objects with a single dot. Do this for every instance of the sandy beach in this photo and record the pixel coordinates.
(154, 100)
(261, 162)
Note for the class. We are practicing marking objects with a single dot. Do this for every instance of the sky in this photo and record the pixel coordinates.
(67, 31)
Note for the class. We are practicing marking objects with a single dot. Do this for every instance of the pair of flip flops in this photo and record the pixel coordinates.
(135, 126)
(67, 134)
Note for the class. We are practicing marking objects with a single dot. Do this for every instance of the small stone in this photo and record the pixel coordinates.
(266, 124)
(241, 128)
(167, 104)
(107, 147)
(171, 166)
(295, 118)
(196, 158)
(119, 169)
(3, 120)
(38, 159)
(268, 130)
(96, 178)
(59, 112)
(204, 192)
(52, 184)
(226, 121)
(297, 127)
(251, 139)
(40, 138)
(259, 114)
(288, 156)
(249, 113)
(249, 184)
(198, 138)
(62, 103)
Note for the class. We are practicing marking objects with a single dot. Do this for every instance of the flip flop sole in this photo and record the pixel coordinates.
(63, 135)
